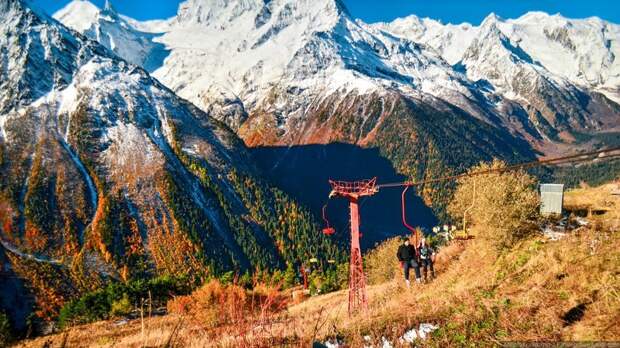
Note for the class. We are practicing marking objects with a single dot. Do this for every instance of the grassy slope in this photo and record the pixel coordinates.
(480, 296)
(517, 295)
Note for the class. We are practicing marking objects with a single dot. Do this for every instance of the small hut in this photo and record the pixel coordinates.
(551, 199)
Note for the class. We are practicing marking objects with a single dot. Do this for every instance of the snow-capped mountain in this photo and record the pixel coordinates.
(267, 67)
(284, 73)
(294, 51)
(583, 51)
(500, 62)
(310, 48)
(106, 170)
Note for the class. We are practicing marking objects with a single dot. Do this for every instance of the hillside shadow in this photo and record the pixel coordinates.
(15, 298)
(303, 172)
(157, 55)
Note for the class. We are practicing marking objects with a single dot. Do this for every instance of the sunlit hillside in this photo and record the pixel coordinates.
(539, 289)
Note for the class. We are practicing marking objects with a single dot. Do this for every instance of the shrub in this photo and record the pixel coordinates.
(213, 304)
(121, 307)
(5, 330)
(381, 262)
(290, 276)
(117, 299)
(180, 305)
(336, 278)
(92, 306)
(216, 304)
(504, 207)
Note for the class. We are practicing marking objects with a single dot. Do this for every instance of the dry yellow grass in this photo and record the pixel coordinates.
(600, 198)
(538, 290)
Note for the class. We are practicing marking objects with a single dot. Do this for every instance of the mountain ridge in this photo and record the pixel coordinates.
(547, 38)
(279, 57)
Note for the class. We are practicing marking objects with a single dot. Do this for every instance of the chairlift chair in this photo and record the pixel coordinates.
(328, 230)
(413, 231)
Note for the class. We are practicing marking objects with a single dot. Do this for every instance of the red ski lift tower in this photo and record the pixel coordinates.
(353, 191)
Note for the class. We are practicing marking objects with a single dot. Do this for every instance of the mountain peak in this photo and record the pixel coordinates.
(109, 8)
(533, 15)
(491, 19)
(410, 20)
(78, 14)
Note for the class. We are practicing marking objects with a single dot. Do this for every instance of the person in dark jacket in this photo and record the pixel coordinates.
(427, 258)
(408, 258)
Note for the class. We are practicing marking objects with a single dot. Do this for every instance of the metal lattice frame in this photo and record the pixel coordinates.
(357, 281)
(354, 188)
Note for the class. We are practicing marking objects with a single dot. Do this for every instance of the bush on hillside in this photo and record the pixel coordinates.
(332, 279)
(5, 330)
(217, 303)
(381, 262)
(213, 304)
(504, 208)
(117, 299)
(121, 307)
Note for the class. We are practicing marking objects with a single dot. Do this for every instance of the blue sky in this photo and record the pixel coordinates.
(453, 11)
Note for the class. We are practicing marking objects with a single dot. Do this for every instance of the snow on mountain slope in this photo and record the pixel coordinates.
(54, 78)
(262, 67)
(88, 15)
(584, 51)
(122, 35)
(495, 60)
(256, 47)
(155, 26)
(449, 40)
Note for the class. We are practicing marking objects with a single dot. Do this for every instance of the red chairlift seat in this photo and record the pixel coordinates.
(413, 231)
(328, 230)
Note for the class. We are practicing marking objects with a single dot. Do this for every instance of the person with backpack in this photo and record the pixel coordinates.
(407, 256)
(427, 258)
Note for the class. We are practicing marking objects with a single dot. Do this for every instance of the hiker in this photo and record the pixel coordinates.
(407, 256)
(427, 258)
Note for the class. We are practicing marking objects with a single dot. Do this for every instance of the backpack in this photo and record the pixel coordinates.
(424, 252)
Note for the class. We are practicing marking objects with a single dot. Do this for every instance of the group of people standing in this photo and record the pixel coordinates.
(416, 256)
